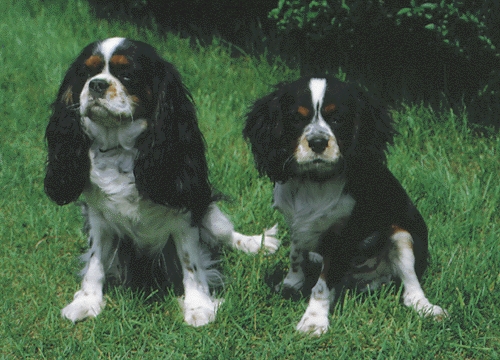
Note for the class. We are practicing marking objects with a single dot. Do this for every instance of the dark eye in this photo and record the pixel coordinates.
(125, 77)
(332, 118)
(300, 116)
(331, 114)
(91, 72)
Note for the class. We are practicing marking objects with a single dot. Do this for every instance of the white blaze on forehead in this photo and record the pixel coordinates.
(318, 88)
(108, 47)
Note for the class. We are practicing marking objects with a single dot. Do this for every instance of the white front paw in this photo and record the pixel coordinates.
(313, 323)
(437, 312)
(83, 305)
(199, 313)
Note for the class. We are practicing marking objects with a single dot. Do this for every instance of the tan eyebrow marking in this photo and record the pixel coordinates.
(330, 108)
(303, 111)
(94, 61)
(119, 60)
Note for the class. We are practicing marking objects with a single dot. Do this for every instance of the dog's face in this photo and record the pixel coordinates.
(314, 118)
(105, 98)
(114, 80)
(312, 126)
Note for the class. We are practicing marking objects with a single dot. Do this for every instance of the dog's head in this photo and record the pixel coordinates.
(120, 92)
(315, 127)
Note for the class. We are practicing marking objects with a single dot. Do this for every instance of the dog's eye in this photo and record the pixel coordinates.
(298, 120)
(333, 119)
(331, 114)
(300, 115)
(303, 111)
(125, 77)
(91, 72)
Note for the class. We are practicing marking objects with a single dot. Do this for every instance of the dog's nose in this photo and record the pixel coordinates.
(318, 145)
(98, 87)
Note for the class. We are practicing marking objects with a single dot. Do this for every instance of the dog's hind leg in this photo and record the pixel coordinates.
(218, 229)
(403, 263)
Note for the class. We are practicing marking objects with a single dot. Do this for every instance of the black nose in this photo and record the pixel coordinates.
(98, 86)
(318, 145)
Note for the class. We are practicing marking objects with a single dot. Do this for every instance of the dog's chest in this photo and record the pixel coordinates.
(313, 205)
(112, 174)
(114, 195)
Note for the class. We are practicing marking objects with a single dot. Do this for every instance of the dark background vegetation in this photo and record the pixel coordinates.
(441, 53)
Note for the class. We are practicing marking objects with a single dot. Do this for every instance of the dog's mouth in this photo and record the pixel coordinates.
(319, 161)
(320, 168)
(101, 112)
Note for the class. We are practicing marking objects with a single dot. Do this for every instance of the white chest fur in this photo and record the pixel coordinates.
(113, 182)
(114, 196)
(310, 207)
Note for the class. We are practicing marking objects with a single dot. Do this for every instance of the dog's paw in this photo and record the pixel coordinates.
(315, 258)
(271, 243)
(289, 292)
(434, 311)
(313, 323)
(424, 307)
(199, 313)
(292, 283)
(84, 305)
(252, 244)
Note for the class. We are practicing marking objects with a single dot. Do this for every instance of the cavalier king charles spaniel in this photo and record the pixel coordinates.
(322, 142)
(124, 133)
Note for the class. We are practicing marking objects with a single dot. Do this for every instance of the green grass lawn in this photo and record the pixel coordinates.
(451, 173)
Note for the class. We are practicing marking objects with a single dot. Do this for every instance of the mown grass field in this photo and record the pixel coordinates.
(451, 173)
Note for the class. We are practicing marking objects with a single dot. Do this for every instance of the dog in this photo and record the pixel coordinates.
(322, 142)
(124, 133)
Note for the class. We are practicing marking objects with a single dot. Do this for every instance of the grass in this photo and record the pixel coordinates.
(449, 171)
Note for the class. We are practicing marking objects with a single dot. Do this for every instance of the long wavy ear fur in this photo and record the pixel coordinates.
(171, 167)
(264, 129)
(68, 162)
(376, 130)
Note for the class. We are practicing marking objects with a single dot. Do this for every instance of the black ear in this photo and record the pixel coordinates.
(264, 128)
(171, 168)
(68, 162)
(376, 129)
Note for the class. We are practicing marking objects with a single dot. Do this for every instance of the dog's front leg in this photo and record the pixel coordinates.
(303, 242)
(315, 320)
(295, 278)
(198, 306)
(89, 301)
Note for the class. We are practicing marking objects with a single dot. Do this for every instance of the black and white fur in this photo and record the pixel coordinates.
(323, 142)
(124, 133)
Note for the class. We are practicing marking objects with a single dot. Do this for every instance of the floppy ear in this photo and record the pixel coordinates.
(171, 168)
(264, 128)
(68, 162)
(376, 130)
